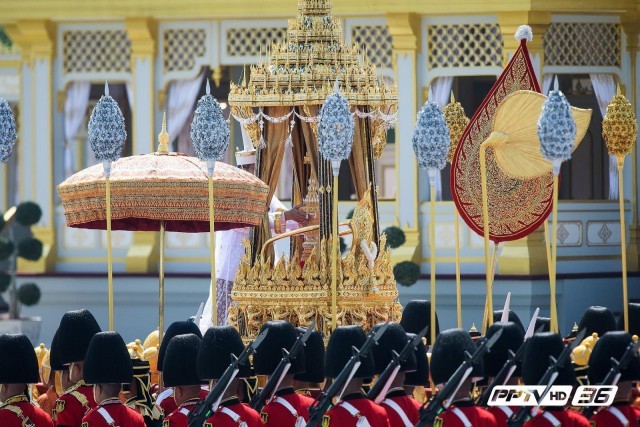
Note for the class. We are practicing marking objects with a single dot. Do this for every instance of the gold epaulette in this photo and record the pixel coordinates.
(26, 422)
(81, 398)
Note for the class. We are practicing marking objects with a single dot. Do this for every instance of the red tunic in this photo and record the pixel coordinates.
(455, 415)
(18, 408)
(222, 419)
(73, 405)
(565, 418)
(275, 414)
(180, 417)
(118, 412)
(169, 405)
(501, 414)
(609, 417)
(407, 404)
(338, 416)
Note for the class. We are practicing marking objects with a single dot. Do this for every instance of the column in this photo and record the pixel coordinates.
(526, 256)
(143, 254)
(405, 29)
(36, 39)
(633, 247)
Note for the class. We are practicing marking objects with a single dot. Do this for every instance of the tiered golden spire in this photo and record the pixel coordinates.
(302, 70)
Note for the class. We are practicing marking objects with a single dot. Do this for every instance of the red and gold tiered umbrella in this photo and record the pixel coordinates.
(162, 192)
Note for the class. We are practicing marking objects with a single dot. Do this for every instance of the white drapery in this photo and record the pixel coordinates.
(440, 92)
(604, 87)
(75, 108)
(180, 99)
(547, 81)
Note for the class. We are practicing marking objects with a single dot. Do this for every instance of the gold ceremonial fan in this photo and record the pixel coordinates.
(514, 139)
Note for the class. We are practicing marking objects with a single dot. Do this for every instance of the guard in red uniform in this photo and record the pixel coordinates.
(166, 400)
(179, 368)
(75, 332)
(420, 377)
(534, 365)
(621, 413)
(416, 316)
(286, 408)
(353, 406)
(511, 339)
(309, 382)
(18, 368)
(214, 356)
(447, 355)
(107, 366)
(402, 409)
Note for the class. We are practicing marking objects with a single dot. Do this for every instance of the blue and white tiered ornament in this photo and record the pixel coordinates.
(335, 129)
(107, 133)
(8, 133)
(431, 139)
(209, 131)
(556, 129)
(210, 136)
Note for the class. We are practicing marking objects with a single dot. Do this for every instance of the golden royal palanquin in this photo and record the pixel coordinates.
(278, 108)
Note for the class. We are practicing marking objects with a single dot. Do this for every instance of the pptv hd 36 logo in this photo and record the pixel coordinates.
(558, 395)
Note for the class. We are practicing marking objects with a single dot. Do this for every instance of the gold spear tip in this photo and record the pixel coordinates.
(163, 136)
(453, 98)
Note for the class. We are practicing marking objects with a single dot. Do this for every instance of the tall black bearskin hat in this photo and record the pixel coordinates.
(175, 329)
(536, 359)
(181, 361)
(282, 335)
(393, 339)
(448, 354)
(419, 377)
(107, 360)
(634, 319)
(513, 317)
(416, 316)
(74, 335)
(597, 319)
(54, 355)
(511, 339)
(339, 351)
(543, 324)
(612, 345)
(18, 361)
(314, 359)
(216, 348)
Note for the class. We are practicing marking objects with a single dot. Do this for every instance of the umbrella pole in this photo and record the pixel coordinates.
(334, 251)
(212, 249)
(458, 284)
(109, 252)
(161, 285)
(547, 242)
(488, 315)
(623, 242)
(432, 250)
(554, 256)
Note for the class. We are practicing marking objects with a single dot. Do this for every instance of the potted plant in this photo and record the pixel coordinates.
(16, 242)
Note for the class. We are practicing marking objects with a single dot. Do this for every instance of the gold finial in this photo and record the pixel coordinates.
(473, 328)
(575, 327)
(163, 136)
(453, 98)
(618, 89)
(634, 338)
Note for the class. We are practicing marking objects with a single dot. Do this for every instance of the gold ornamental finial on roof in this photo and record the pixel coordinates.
(163, 136)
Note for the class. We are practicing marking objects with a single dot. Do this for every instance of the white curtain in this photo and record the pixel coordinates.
(75, 108)
(180, 98)
(604, 87)
(129, 90)
(547, 81)
(440, 92)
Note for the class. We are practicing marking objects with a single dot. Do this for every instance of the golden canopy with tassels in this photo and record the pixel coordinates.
(278, 108)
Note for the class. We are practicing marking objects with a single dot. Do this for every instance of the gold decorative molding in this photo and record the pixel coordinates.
(142, 32)
(524, 257)
(36, 38)
(143, 254)
(47, 235)
(404, 29)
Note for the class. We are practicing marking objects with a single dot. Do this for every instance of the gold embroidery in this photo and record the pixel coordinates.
(264, 417)
(85, 424)
(326, 421)
(438, 422)
(59, 406)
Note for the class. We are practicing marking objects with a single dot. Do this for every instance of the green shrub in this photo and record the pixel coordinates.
(29, 294)
(395, 236)
(28, 213)
(6, 248)
(406, 273)
(30, 249)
